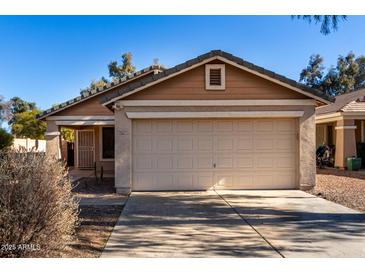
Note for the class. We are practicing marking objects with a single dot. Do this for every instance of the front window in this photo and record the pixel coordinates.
(107, 143)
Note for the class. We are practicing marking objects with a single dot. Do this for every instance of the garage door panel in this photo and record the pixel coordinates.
(163, 144)
(163, 180)
(285, 125)
(224, 143)
(283, 180)
(224, 126)
(142, 127)
(285, 142)
(224, 161)
(244, 125)
(142, 144)
(184, 126)
(184, 181)
(143, 181)
(234, 180)
(285, 161)
(203, 180)
(244, 161)
(205, 143)
(204, 162)
(184, 162)
(223, 180)
(162, 127)
(247, 153)
(244, 143)
(204, 126)
(164, 162)
(185, 144)
(264, 125)
(142, 163)
(265, 162)
(263, 142)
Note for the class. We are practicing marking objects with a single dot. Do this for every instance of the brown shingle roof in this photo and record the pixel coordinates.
(341, 101)
(86, 95)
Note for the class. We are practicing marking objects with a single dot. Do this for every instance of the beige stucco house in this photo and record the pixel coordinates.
(215, 121)
(342, 124)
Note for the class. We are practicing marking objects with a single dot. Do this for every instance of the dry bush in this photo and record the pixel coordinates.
(38, 213)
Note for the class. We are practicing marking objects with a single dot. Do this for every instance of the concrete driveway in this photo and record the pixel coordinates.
(236, 224)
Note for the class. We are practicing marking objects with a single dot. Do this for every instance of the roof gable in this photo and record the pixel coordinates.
(239, 85)
(206, 58)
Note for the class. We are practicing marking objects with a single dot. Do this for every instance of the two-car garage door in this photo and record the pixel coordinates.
(184, 154)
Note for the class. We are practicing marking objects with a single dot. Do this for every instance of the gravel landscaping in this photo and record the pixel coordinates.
(98, 215)
(341, 186)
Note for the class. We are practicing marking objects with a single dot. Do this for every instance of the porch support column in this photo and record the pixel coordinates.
(307, 149)
(345, 141)
(123, 157)
(53, 141)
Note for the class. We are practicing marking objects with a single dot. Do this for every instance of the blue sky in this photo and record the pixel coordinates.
(47, 59)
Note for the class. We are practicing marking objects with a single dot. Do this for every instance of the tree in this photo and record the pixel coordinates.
(348, 75)
(328, 23)
(125, 69)
(116, 71)
(360, 77)
(67, 134)
(5, 112)
(26, 125)
(95, 84)
(18, 105)
(6, 139)
(312, 75)
(347, 70)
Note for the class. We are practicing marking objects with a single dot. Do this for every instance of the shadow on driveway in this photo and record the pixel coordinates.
(236, 224)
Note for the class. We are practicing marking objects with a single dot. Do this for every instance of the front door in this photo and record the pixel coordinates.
(85, 148)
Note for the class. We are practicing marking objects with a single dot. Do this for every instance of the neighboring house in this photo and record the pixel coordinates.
(341, 124)
(215, 121)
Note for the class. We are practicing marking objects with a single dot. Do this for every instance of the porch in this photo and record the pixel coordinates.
(91, 153)
(344, 133)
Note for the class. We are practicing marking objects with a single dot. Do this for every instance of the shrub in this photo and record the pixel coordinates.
(38, 213)
(6, 139)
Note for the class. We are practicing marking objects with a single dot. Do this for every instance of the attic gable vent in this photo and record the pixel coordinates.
(215, 77)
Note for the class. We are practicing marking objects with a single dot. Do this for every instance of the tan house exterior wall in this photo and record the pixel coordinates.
(239, 85)
(345, 141)
(90, 107)
(53, 140)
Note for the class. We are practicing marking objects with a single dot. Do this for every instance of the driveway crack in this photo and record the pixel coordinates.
(248, 223)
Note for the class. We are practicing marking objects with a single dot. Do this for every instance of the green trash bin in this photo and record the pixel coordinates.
(353, 163)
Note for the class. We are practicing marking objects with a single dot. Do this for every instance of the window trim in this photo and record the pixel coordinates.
(208, 67)
(101, 144)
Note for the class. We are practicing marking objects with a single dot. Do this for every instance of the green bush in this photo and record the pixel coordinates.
(38, 213)
(6, 139)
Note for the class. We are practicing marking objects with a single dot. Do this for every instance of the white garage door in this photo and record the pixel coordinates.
(214, 153)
